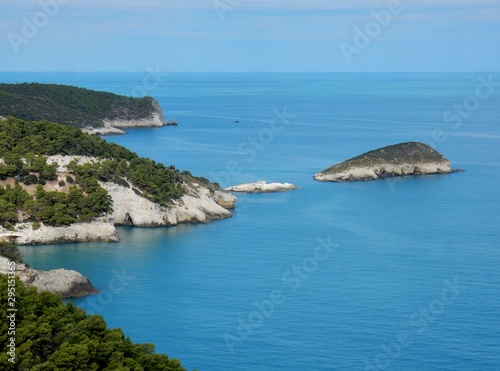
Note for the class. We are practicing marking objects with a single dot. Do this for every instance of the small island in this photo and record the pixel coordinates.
(410, 158)
(262, 187)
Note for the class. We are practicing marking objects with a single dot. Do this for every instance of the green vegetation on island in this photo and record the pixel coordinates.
(49, 335)
(24, 147)
(70, 105)
(410, 158)
(410, 152)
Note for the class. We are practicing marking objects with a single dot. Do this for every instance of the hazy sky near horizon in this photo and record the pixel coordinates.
(250, 35)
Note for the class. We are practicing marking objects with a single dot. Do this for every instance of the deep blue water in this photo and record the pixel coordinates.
(400, 275)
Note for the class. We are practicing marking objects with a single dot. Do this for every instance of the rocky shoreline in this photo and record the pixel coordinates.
(67, 283)
(114, 127)
(100, 230)
(200, 206)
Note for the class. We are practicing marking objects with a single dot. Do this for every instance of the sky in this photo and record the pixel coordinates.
(250, 35)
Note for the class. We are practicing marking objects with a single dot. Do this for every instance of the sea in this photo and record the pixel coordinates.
(395, 274)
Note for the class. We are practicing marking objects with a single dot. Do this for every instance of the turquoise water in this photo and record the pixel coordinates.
(399, 275)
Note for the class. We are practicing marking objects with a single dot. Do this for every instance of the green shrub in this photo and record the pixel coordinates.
(11, 252)
(8, 226)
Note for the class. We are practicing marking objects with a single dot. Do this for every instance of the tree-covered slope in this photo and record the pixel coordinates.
(70, 105)
(49, 335)
(24, 147)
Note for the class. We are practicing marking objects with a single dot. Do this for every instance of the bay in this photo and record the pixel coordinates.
(396, 274)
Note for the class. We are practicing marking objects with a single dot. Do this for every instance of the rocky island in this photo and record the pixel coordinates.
(411, 158)
(262, 187)
(95, 112)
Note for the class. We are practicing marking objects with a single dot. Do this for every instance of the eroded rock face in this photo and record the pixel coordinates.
(262, 187)
(412, 158)
(67, 283)
(101, 230)
(199, 204)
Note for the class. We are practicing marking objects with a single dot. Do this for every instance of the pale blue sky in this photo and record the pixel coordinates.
(256, 35)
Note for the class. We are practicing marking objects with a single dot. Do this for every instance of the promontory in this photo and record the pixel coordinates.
(93, 111)
(410, 158)
(58, 184)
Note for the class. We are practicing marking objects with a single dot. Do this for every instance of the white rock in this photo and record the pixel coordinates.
(63, 161)
(262, 187)
(155, 120)
(199, 205)
(106, 130)
(101, 229)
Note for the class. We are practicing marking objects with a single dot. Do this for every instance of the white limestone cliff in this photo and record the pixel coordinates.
(199, 205)
(113, 127)
(100, 230)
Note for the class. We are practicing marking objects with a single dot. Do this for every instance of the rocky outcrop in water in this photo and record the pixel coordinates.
(411, 158)
(67, 283)
(262, 187)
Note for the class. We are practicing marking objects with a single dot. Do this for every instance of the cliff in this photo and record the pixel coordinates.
(100, 230)
(67, 283)
(198, 205)
(113, 126)
(90, 186)
(411, 158)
